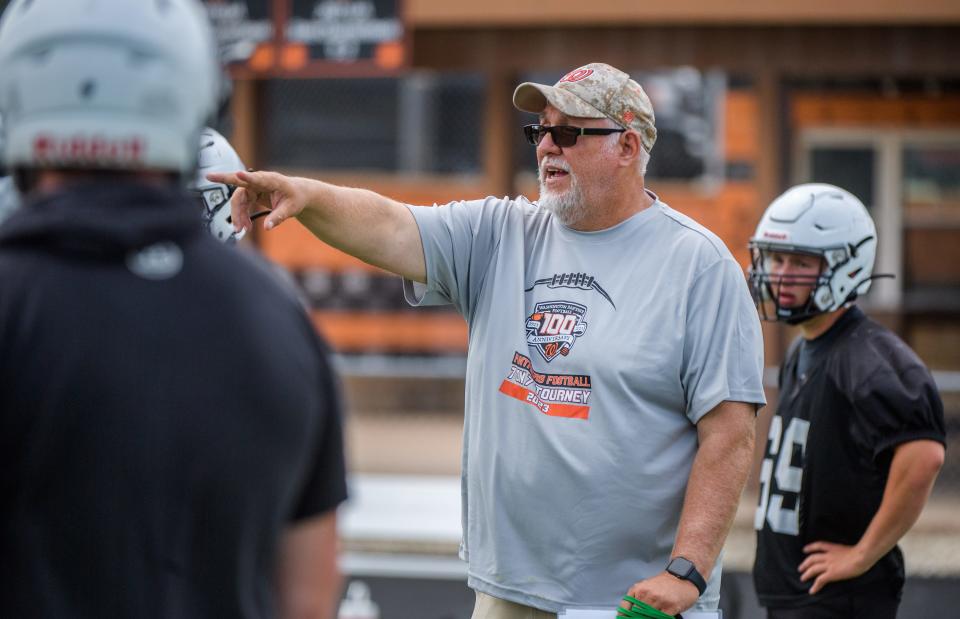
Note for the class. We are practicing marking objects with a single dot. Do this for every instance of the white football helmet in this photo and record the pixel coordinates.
(216, 155)
(823, 221)
(109, 84)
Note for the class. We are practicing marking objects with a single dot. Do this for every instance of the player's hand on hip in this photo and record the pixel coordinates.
(665, 592)
(260, 191)
(827, 562)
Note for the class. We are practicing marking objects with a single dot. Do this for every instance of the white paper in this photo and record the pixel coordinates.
(571, 613)
(579, 613)
(606, 613)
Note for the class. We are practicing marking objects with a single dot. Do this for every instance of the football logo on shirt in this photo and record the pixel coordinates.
(554, 326)
(576, 281)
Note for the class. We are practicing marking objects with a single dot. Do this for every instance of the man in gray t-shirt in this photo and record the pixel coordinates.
(614, 360)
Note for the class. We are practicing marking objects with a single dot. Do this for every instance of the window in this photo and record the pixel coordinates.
(848, 167)
(910, 181)
(422, 123)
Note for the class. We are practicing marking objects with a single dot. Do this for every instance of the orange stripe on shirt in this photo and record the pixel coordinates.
(571, 411)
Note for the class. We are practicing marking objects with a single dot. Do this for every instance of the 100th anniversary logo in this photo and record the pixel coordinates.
(554, 326)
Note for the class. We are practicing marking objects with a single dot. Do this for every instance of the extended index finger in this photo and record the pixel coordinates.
(259, 182)
(227, 178)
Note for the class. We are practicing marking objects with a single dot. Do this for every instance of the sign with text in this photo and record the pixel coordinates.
(244, 31)
(347, 31)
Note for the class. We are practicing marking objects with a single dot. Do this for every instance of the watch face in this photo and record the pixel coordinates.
(684, 569)
(680, 567)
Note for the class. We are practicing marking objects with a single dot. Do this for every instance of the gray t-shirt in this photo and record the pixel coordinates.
(591, 357)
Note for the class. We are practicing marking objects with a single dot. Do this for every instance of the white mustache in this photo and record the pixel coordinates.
(553, 163)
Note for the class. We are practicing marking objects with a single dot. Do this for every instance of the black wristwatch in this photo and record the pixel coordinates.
(684, 569)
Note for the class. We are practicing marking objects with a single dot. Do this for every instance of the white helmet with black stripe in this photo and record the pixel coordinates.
(823, 221)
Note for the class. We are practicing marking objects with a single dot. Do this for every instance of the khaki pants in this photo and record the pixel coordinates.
(489, 607)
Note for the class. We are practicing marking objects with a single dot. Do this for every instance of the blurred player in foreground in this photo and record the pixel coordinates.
(858, 436)
(169, 428)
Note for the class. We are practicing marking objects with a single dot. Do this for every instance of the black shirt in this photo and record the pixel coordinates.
(828, 453)
(166, 410)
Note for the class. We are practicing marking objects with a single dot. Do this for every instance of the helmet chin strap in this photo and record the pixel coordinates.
(796, 320)
(809, 311)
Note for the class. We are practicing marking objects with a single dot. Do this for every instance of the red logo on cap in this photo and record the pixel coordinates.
(628, 117)
(577, 75)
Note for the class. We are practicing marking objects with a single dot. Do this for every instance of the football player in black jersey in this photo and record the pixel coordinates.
(858, 436)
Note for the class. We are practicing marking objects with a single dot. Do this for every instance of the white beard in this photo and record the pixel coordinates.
(568, 207)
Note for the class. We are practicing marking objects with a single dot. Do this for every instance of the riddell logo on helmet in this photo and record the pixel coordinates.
(577, 75)
(773, 234)
(54, 149)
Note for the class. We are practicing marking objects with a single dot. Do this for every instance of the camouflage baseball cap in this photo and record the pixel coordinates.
(595, 90)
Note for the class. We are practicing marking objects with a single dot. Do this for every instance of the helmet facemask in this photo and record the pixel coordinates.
(215, 211)
(837, 284)
(767, 285)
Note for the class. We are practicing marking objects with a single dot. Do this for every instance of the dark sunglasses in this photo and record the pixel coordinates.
(563, 136)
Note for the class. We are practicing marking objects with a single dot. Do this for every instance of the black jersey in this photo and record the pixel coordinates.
(829, 449)
(166, 411)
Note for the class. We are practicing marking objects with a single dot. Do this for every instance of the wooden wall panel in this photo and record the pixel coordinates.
(741, 130)
(798, 51)
(864, 110)
(506, 13)
(421, 331)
